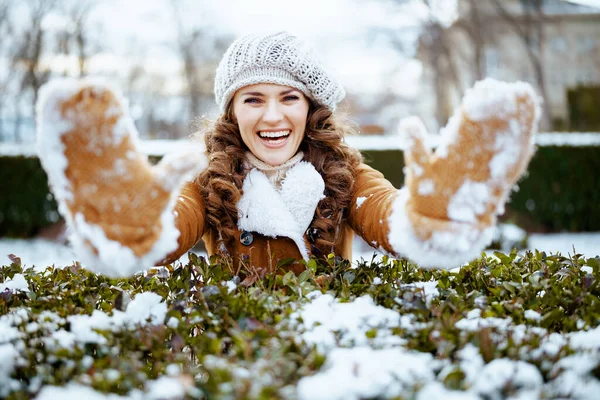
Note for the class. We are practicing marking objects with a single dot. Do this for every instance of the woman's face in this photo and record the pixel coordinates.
(271, 119)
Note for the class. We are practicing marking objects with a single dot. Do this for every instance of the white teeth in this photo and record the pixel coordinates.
(274, 134)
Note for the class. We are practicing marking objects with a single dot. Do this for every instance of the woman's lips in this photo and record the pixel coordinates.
(275, 143)
(274, 139)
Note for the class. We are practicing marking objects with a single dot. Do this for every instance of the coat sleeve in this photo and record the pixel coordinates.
(190, 215)
(371, 207)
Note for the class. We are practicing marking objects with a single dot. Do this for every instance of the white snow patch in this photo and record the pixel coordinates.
(146, 307)
(60, 339)
(17, 283)
(367, 373)
(585, 340)
(507, 154)
(437, 391)
(471, 362)
(499, 373)
(444, 11)
(78, 391)
(361, 142)
(448, 135)
(409, 130)
(359, 201)
(587, 243)
(473, 323)
(570, 139)
(426, 187)
(533, 315)
(417, 170)
(165, 387)
(572, 386)
(327, 323)
(84, 326)
(492, 98)
(8, 333)
(469, 201)
(8, 355)
(230, 285)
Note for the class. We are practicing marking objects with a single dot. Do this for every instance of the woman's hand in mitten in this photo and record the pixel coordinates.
(118, 207)
(453, 195)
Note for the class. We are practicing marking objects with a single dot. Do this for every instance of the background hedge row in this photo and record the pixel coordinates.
(559, 193)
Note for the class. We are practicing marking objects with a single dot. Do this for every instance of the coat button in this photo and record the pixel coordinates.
(246, 238)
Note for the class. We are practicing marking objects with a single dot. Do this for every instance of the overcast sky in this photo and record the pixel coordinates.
(335, 28)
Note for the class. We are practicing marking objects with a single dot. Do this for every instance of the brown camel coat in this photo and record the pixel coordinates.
(368, 217)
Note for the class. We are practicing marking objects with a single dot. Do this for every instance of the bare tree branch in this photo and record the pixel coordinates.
(79, 12)
(530, 31)
(31, 47)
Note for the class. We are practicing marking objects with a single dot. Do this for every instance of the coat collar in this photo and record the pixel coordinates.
(287, 211)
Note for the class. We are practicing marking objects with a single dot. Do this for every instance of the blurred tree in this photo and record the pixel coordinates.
(473, 24)
(437, 49)
(31, 47)
(6, 47)
(76, 37)
(199, 51)
(528, 25)
(27, 59)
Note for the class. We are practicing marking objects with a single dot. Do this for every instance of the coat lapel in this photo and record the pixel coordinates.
(286, 212)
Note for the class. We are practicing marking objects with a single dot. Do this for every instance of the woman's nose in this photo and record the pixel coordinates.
(273, 113)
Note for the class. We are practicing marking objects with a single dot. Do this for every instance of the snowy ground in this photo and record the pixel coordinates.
(361, 142)
(42, 252)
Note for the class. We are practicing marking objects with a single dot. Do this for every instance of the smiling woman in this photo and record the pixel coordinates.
(271, 119)
(278, 184)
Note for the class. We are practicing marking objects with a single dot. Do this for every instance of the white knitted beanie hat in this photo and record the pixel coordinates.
(278, 58)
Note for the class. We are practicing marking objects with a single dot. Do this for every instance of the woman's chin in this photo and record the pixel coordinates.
(275, 157)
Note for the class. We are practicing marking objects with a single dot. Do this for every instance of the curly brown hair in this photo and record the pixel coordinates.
(323, 147)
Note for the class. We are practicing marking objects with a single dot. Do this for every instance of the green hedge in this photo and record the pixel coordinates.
(26, 204)
(504, 326)
(584, 103)
(559, 193)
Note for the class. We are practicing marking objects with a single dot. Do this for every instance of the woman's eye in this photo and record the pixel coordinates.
(291, 97)
(251, 100)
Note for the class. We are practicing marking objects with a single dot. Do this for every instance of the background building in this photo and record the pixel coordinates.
(552, 44)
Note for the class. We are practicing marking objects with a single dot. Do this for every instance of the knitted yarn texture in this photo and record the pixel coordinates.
(278, 58)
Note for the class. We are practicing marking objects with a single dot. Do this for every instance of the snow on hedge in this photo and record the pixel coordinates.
(505, 326)
(361, 142)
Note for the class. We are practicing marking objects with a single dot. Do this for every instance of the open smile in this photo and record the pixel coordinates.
(274, 138)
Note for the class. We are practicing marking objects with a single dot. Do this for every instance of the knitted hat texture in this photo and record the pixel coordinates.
(278, 58)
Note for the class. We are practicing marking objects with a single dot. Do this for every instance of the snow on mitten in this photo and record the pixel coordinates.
(452, 196)
(118, 208)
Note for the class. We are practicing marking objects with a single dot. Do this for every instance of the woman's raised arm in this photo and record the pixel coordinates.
(119, 209)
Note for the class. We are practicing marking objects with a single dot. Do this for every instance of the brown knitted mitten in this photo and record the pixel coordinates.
(118, 207)
(453, 195)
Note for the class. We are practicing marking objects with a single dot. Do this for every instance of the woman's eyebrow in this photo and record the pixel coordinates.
(288, 91)
(252, 94)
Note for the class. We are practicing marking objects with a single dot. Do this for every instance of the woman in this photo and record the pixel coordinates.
(278, 181)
